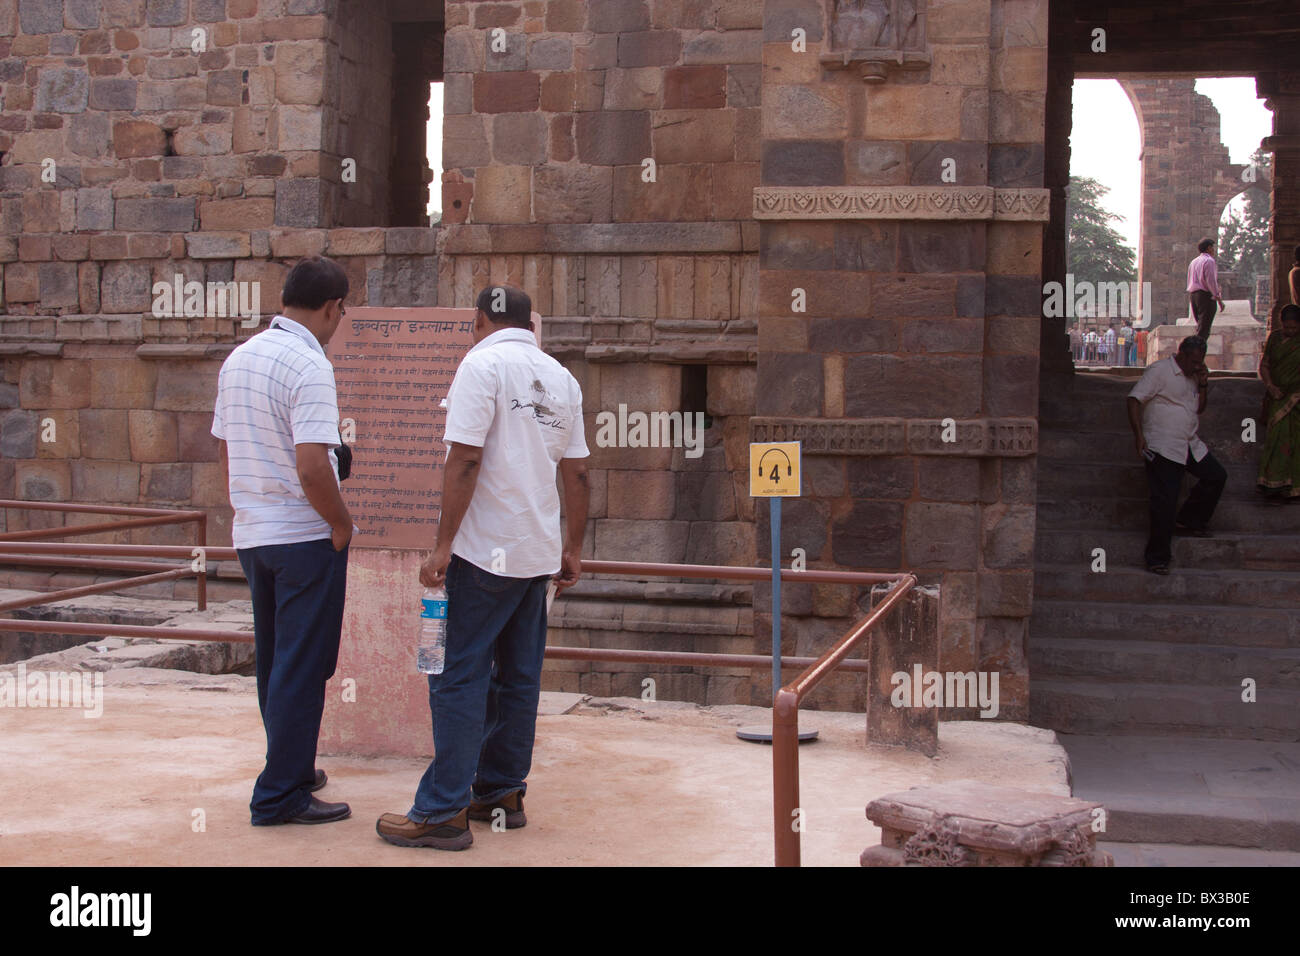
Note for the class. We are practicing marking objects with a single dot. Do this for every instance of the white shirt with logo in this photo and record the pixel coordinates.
(274, 392)
(524, 409)
(1169, 417)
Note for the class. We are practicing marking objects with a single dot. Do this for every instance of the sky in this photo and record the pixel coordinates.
(435, 147)
(1105, 144)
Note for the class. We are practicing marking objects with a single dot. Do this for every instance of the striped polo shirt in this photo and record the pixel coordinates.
(274, 392)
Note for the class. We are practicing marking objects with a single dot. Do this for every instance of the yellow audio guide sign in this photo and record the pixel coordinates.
(774, 469)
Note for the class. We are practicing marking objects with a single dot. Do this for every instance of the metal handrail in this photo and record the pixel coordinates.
(785, 726)
(13, 543)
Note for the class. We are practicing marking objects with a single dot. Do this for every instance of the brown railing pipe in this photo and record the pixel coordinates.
(183, 515)
(76, 562)
(201, 592)
(785, 726)
(126, 550)
(685, 658)
(48, 597)
(727, 573)
(125, 630)
(37, 534)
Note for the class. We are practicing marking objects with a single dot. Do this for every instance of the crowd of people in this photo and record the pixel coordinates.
(1121, 345)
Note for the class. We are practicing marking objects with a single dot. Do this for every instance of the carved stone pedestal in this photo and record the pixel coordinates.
(969, 823)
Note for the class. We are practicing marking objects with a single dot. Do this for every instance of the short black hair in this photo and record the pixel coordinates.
(1297, 253)
(1193, 343)
(313, 282)
(506, 305)
(1204, 244)
(1290, 313)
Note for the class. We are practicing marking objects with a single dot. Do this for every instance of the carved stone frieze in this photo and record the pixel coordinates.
(900, 202)
(968, 438)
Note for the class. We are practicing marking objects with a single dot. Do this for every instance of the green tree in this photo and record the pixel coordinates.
(1243, 245)
(1095, 252)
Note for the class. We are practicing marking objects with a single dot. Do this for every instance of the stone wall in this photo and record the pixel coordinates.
(922, 297)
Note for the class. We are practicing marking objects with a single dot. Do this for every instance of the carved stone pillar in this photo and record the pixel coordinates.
(1282, 91)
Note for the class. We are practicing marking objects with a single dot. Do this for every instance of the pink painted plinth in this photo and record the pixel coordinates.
(391, 714)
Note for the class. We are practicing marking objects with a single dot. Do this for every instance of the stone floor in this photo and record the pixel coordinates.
(615, 782)
(1176, 790)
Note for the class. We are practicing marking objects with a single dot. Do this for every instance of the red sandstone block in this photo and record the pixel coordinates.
(234, 215)
(126, 41)
(296, 28)
(41, 211)
(152, 435)
(507, 92)
(105, 65)
(695, 87)
(108, 246)
(22, 282)
(71, 247)
(489, 15)
(557, 93)
(355, 242)
(35, 248)
(149, 245)
(138, 138)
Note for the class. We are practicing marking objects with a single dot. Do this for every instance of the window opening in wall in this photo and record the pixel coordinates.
(434, 152)
(695, 392)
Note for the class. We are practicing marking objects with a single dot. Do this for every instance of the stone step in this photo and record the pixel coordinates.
(1121, 584)
(1129, 480)
(1237, 514)
(1272, 668)
(1124, 549)
(1200, 624)
(1204, 710)
(1190, 791)
(1083, 446)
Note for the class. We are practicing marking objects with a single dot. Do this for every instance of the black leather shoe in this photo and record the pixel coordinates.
(318, 811)
(321, 780)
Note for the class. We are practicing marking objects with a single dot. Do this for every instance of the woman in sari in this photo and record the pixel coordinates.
(1279, 461)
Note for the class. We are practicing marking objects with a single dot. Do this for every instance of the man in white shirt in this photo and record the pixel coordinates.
(513, 415)
(277, 417)
(1164, 410)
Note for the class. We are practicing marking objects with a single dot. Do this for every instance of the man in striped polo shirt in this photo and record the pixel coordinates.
(277, 417)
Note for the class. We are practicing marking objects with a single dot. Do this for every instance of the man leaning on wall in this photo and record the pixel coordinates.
(277, 417)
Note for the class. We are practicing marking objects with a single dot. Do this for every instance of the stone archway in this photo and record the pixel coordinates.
(1187, 180)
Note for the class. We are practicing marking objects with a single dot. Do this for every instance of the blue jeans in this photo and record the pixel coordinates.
(484, 703)
(297, 592)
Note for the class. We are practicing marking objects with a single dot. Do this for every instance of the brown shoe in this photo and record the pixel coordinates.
(451, 834)
(511, 803)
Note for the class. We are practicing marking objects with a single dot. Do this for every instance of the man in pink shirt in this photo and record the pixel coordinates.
(1203, 287)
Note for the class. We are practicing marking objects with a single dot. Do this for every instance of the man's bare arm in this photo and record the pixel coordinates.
(320, 485)
(459, 479)
(1135, 422)
(577, 494)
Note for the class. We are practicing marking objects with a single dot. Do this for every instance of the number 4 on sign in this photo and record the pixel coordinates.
(774, 469)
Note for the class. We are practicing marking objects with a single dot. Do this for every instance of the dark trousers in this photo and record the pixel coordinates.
(297, 594)
(1203, 308)
(484, 703)
(1165, 478)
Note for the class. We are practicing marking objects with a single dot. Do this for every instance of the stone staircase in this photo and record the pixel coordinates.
(1126, 653)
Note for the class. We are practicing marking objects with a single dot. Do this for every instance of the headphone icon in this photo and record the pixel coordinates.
(789, 468)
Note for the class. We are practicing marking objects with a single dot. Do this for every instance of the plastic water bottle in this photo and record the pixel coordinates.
(432, 649)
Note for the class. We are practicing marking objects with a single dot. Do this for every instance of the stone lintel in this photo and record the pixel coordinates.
(901, 202)
(963, 438)
(674, 354)
(615, 238)
(182, 352)
(43, 349)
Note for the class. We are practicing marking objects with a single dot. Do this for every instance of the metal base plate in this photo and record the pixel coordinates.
(762, 733)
